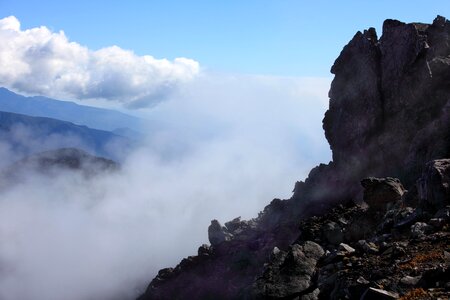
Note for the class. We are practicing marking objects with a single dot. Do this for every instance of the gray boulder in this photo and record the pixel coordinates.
(217, 234)
(290, 273)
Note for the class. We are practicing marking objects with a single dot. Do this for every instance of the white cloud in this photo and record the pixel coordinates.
(38, 61)
(222, 146)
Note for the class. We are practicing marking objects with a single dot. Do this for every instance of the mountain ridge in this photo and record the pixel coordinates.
(388, 117)
(27, 134)
(62, 159)
(93, 117)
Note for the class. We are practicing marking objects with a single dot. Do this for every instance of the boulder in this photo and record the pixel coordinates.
(333, 234)
(378, 192)
(290, 273)
(368, 247)
(217, 234)
(419, 229)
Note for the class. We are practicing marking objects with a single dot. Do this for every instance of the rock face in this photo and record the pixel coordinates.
(389, 104)
(388, 125)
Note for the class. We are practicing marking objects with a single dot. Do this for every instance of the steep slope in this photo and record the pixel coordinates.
(92, 117)
(25, 135)
(388, 117)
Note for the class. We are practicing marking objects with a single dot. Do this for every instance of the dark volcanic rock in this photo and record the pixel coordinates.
(434, 184)
(388, 117)
(217, 234)
(378, 192)
(333, 233)
(389, 104)
(378, 294)
(289, 274)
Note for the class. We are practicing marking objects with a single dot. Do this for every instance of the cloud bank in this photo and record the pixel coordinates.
(222, 146)
(39, 61)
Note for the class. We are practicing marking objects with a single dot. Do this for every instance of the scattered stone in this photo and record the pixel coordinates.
(275, 251)
(409, 280)
(419, 229)
(378, 294)
(368, 247)
(346, 249)
(332, 233)
(395, 251)
(362, 280)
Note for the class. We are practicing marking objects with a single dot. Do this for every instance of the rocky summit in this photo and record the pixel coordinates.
(372, 224)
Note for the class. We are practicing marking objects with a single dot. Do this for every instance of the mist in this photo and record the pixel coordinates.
(219, 147)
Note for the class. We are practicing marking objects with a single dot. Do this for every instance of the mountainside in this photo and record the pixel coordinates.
(92, 117)
(374, 222)
(25, 135)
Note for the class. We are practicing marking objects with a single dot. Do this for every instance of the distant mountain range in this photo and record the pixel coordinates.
(24, 135)
(98, 118)
(51, 162)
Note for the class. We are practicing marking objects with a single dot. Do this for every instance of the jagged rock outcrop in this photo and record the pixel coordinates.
(218, 234)
(388, 117)
(386, 95)
(389, 109)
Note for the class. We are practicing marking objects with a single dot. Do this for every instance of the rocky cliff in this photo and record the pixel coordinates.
(374, 222)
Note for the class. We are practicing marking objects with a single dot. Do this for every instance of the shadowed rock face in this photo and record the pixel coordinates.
(388, 116)
(389, 101)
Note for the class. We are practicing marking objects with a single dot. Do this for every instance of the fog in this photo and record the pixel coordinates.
(221, 146)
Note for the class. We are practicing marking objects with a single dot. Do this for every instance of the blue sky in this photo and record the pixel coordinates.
(278, 37)
(222, 140)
